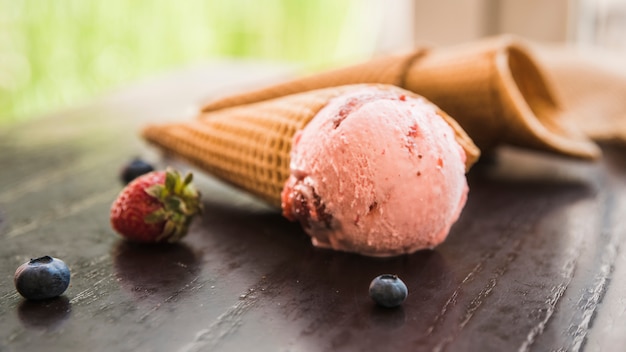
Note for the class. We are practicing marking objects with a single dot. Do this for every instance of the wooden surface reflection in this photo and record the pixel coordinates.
(535, 263)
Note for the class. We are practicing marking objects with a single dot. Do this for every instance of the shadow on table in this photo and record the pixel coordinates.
(323, 294)
(49, 314)
(154, 272)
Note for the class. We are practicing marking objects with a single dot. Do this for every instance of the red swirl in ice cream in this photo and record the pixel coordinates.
(376, 172)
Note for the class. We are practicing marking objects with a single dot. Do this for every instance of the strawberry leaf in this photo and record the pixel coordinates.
(170, 180)
(180, 202)
(155, 217)
(174, 204)
(156, 191)
(188, 179)
(168, 230)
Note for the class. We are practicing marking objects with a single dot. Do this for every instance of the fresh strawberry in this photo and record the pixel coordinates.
(156, 207)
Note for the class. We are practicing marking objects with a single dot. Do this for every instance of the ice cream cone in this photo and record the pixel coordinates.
(495, 89)
(249, 145)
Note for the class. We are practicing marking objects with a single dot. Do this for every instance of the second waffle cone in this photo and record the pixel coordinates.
(494, 88)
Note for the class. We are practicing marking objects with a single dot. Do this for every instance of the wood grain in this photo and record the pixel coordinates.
(534, 264)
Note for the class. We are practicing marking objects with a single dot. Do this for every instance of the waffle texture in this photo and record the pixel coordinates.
(249, 145)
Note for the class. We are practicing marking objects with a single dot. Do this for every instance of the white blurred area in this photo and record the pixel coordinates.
(601, 23)
(585, 23)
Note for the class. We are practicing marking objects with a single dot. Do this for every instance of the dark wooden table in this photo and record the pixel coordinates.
(536, 262)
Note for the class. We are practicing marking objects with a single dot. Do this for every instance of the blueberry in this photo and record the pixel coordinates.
(42, 278)
(388, 290)
(134, 169)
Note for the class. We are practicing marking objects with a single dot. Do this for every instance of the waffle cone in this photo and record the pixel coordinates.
(249, 145)
(494, 89)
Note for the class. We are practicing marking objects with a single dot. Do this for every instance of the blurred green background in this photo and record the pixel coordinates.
(58, 53)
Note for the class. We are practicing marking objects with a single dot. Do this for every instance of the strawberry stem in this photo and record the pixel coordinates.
(180, 200)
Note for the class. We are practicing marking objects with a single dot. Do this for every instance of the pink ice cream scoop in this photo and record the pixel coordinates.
(376, 172)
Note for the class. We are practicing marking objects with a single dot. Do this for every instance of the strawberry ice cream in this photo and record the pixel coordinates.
(378, 172)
